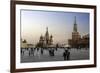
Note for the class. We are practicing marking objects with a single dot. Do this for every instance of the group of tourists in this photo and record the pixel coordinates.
(40, 51)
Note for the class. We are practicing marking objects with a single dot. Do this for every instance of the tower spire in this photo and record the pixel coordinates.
(75, 20)
(75, 25)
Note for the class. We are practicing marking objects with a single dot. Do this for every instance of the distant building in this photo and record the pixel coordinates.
(84, 41)
(24, 44)
(76, 40)
(46, 40)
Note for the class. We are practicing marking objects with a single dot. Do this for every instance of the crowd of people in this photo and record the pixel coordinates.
(40, 51)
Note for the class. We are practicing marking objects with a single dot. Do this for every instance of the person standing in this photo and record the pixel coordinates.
(64, 55)
(41, 51)
(68, 55)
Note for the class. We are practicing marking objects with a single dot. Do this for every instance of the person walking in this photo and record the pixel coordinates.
(68, 55)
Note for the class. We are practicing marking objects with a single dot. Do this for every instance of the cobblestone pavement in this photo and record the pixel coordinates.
(75, 54)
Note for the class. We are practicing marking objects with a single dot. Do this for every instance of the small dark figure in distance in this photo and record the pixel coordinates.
(42, 51)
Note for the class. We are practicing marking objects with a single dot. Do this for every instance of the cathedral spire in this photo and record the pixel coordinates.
(47, 29)
(47, 33)
(75, 25)
(47, 36)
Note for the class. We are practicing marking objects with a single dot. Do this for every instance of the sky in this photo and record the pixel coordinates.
(60, 25)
